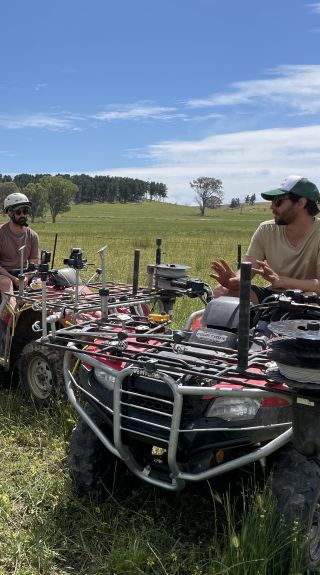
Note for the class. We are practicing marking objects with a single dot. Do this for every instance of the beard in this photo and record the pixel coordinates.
(21, 221)
(285, 218)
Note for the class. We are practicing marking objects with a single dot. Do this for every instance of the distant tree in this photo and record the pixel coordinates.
(22, 180)
(213, 203)
(7, 188)
(252, 200)
(123, 191)
(162, 191)
(37, 195)
(86, 188)
(60, 192)
(4, 178)
(247, 200)
(208, 192)
(235, 203)
(113, 190)
(138, 190)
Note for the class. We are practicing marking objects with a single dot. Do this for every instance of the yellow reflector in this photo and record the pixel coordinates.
(158, 317)
(219, 457)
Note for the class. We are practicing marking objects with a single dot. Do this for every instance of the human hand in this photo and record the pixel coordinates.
(15, 282)
(267, 273)
(225, 275)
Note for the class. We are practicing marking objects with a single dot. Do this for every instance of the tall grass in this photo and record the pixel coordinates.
(44, 527)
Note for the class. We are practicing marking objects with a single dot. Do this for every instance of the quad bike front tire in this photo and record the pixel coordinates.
(94, 470)
(296, 487)
(41, 374)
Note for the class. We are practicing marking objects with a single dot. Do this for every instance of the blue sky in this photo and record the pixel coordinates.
(166, 90)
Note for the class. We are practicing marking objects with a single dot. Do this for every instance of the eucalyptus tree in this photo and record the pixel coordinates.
(60, 193)
(208, 193)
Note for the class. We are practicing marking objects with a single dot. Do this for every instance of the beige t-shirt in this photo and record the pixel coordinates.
(10, 243)
(270, 243)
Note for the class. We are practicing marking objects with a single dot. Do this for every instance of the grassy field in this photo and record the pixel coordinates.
(44, 527)
(186, 237)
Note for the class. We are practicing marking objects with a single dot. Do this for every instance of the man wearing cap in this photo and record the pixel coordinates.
(284, 251)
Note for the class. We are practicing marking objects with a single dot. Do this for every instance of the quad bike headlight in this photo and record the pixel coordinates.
(233, 408)
(105, 378)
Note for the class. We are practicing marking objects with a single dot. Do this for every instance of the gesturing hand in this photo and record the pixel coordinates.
(225, 275)
(268, 274)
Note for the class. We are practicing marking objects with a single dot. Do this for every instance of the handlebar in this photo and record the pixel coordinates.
(193, 288)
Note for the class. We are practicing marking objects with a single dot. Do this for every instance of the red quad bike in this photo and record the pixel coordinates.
(51, 300)
(179, 407)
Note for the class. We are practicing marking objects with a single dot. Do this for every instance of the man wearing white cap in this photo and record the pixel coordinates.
(284, 251)
(13, 235)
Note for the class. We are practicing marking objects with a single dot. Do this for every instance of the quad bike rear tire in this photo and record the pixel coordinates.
(41, 374)
(6, 378)
(296, 487)
(94, 470)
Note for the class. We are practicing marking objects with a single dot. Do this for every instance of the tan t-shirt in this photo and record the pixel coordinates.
(10, 243)
(270, 243)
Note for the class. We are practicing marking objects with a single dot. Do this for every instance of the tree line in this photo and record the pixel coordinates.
(57, 192)
(248, 201)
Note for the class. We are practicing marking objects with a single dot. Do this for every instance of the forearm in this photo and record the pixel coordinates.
(285, 282)
(5, 273)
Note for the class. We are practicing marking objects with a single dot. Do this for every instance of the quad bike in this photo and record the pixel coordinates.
(180, 407)
(58, 298)
(46, 300)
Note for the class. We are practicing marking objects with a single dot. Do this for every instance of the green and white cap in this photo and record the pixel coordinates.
(297, 185)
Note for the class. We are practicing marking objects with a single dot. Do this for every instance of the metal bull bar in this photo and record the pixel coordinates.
(176, 478)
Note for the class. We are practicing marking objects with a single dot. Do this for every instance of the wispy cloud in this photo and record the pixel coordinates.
(295, 87)
(43, 121)
(314, 7)
(40, 86)
(7, 154)
(202, 118)
(139, 111)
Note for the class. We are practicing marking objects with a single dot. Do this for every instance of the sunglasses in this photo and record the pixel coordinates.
(279, 200)
(20, 211)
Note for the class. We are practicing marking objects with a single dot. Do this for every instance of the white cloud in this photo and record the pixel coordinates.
(36, 121)
(295, 87)
(315, 7)
(7, 154)
(139, 111)
(247, 162)
(203, 118)
(40, 86)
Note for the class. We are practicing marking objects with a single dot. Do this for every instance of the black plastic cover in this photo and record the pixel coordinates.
(222, 312)
(306, 425)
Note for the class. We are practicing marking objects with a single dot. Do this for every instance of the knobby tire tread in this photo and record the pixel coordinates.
(296, 487)
(94, 470)
(54, 358)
